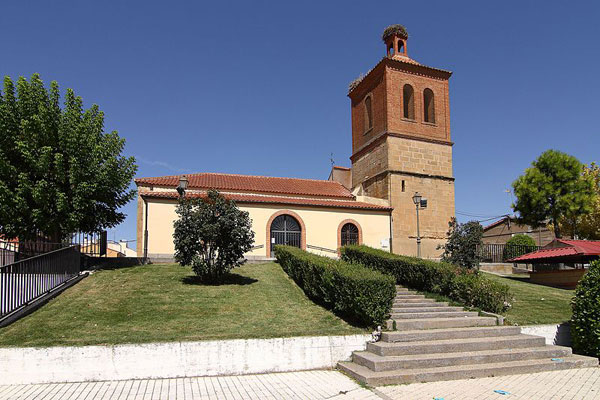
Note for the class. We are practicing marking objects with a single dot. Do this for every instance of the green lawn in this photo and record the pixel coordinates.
(535, 304)
(157, 303)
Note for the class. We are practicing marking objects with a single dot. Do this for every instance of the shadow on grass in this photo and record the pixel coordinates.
(229, 279)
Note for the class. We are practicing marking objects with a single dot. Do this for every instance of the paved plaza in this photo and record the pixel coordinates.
(566, 384)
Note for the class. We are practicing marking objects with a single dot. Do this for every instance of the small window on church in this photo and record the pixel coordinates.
(408, 98)
(428, 106)
(369, 113)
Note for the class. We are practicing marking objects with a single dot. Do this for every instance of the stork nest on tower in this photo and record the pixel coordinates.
(394, 30)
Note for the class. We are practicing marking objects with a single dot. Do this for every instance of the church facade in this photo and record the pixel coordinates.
(400, 145)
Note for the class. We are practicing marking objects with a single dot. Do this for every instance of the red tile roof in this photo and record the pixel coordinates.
(568, 250)
(258, 184)
(249, 198)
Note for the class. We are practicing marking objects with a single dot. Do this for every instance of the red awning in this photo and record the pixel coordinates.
(562, 251)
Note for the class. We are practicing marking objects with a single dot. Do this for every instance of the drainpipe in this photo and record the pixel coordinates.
(390, 204)
(391, 234)
(145, 231)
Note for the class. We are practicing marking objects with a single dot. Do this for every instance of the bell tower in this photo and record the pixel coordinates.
(401, 143)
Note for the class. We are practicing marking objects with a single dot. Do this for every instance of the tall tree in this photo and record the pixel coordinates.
(586, 226)
(554, 187)
(463, 242)
(59, 171)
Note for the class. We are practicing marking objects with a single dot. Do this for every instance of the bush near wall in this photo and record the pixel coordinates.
(585, 322)
(363, 295)
(460, 284)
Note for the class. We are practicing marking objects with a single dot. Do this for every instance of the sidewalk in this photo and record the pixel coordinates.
(567, 384)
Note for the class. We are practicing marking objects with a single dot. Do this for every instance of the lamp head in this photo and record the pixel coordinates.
(417, 198)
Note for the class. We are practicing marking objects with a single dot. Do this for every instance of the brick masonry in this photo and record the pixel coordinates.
(399, 156)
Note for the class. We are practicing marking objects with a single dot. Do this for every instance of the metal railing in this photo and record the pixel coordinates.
(497, 253)
(91, 244)
(24, 281)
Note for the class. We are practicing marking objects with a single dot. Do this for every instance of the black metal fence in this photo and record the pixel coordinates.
(497, 253)
(24, 281)
(91, 244)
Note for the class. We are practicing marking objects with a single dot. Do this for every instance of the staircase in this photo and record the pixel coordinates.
(429, 341)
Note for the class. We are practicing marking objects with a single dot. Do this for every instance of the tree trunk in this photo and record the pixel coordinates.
(557, 232)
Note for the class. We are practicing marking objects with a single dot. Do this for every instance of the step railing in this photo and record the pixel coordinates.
(23, 282)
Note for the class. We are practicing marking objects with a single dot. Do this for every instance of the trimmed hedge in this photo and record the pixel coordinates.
(460, 284)
(585, 322)
(361, 294)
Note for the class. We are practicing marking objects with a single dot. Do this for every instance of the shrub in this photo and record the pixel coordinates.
(585, 323)
(363, 295)
(212, 235)
(460, 284)
(517, 246)
(462, 244)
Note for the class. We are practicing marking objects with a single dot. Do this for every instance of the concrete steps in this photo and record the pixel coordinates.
(424, 309)
(366, 375)
(431, 304)
(430, 341)
(434, 314)
(455, 345)
(389, 363)
(435, 323)
(448, 333)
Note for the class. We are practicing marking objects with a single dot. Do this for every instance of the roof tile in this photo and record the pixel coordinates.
(249, 183)
(249, 198)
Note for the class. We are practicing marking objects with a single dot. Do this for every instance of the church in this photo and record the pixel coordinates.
(400, 146)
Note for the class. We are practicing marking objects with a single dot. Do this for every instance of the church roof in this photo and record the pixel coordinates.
(254, 198)
(257, 184)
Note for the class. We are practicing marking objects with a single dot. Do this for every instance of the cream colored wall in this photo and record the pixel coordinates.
(321, 226)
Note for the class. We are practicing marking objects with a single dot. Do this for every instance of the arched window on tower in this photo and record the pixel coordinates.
(368, 113)
(408, 99)
(428, 106)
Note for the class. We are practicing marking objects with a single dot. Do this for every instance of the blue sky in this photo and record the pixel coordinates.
(259, 87)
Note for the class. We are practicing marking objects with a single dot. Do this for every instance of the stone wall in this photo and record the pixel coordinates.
(433, 220)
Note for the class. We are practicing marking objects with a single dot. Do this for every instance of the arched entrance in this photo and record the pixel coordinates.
(286, 230)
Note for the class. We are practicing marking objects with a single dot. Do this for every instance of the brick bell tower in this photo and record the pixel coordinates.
(401, 143)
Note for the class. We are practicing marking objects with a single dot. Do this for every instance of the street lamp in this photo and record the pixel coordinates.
(420, 202)
(183, 184)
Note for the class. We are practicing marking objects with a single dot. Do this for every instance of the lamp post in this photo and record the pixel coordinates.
(420, 202)
(183, 184)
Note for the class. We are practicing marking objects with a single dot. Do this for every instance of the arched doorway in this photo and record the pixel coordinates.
(285, 229)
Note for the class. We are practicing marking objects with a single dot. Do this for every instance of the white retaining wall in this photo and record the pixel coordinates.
(178, 359)
(559, 335)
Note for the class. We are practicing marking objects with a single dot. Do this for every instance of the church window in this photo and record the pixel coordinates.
(369, 113)
(408, 97)
(428, 106)
(349, 234)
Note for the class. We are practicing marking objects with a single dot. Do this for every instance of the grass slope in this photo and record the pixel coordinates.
(535, 304)
(157, 303)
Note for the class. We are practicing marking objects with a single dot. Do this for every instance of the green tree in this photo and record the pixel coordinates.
(211, 235)
(586, 226)
(462, 244)
(554, 187)
(59, 171)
